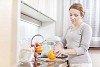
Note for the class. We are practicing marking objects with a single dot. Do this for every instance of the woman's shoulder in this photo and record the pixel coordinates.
(86, 26)
(68, 28)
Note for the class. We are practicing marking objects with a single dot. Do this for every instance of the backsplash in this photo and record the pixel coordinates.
(25, 33)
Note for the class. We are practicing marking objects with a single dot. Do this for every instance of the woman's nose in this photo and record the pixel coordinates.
(72, 17)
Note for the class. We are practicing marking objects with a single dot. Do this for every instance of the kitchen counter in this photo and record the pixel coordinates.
(44, 62)
(94, 48)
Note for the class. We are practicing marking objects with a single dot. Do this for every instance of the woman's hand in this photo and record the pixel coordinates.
(58, 49)
(59, 53)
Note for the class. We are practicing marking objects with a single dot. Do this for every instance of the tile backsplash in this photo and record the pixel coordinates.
(25, 33)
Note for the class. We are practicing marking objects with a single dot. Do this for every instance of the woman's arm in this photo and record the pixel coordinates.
(84, 44)
(69, 51)
(63, 39)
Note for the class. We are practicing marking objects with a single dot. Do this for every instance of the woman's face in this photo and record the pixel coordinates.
(75, 16)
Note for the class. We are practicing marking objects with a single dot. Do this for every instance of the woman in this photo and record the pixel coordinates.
(77, 39)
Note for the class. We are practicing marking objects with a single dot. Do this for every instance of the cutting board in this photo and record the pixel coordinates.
(56, 62)
(49, 60)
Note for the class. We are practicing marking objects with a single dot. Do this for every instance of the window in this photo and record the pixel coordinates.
(92, 16)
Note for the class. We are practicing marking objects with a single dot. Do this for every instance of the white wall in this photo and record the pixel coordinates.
(59, 23)
(8, 23)
(95, 56)
(26, 30)
(47, 29)
(66, 16)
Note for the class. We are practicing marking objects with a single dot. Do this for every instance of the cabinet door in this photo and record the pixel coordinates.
(51, 8)
(29, 2)
(47, 7)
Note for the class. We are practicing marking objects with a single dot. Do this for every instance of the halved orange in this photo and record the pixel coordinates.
(51, 55)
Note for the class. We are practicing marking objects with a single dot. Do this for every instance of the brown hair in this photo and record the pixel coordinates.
(79, 7)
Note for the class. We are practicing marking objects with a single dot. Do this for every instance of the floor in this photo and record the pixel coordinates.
(95, 56)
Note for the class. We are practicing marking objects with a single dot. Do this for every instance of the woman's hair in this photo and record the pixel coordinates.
(79, 7)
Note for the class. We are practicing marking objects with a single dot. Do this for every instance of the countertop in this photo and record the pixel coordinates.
(44, 62)
(94, 48)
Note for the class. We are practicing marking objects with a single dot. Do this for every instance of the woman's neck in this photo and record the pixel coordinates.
(78, 24)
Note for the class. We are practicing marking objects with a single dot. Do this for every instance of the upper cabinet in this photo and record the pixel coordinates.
(39, 10)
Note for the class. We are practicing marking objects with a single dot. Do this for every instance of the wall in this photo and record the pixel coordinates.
(8, 20)
(59, 23)
(95, 56)
(47, 29)
(26, 30)
(66, 16)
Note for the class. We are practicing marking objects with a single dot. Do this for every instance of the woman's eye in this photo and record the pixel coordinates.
(70, 15)
(75, 15)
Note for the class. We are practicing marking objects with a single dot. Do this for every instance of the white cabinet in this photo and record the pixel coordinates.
(34, 15)
(51, 6)
(47, 7)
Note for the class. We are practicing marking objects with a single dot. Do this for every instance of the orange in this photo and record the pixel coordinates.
(51, 55)
(38, 49)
